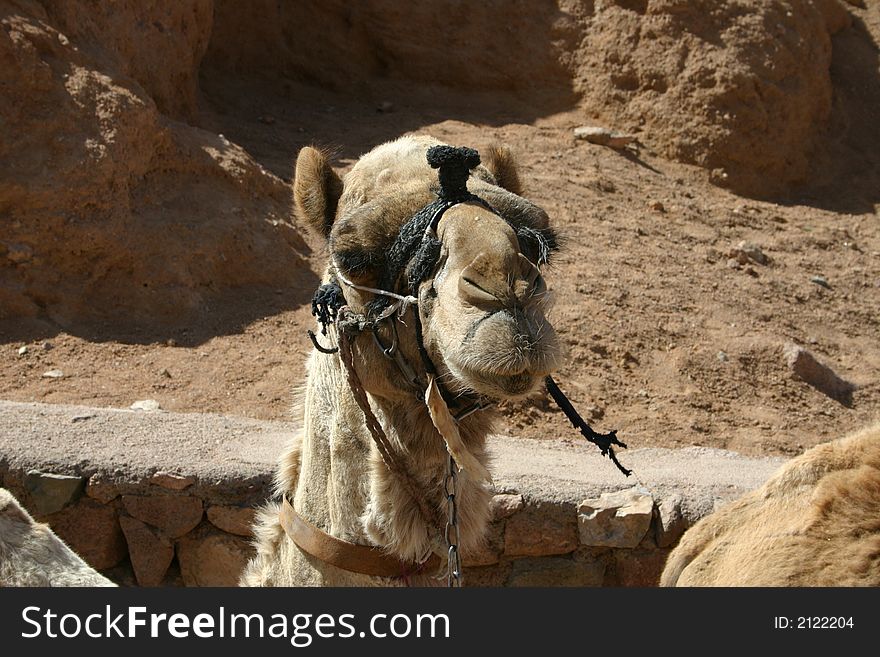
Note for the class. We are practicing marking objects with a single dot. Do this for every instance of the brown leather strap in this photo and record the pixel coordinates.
(364, 559)
(386, 450)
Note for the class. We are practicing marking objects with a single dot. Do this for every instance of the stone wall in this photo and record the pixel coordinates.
(155, 498)
(620, 538)
(158, 531)
(151, 532)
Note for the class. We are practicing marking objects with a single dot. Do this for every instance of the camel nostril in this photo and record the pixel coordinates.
(484, 282)
(474, 293)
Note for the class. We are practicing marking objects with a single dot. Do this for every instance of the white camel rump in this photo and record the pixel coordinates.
(32, 555)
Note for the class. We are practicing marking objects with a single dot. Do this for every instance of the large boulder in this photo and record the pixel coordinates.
(112, 208)
(740, 87)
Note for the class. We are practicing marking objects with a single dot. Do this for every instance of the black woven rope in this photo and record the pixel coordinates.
(416, 248)
(603, 440)
(454, 164)
(326, 302)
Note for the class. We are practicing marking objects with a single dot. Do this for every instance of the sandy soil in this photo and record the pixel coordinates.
(669, 341)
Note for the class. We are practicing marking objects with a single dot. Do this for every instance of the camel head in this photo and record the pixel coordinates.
(475, 270)
(484, 308)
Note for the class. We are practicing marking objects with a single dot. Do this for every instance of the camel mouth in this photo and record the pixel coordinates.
(497, 384)
(503, 360)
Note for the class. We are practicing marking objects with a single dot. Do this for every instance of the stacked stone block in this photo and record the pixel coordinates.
(170, 529)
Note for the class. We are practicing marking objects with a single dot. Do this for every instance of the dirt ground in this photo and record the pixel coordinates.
(674, 336)
(667, 341)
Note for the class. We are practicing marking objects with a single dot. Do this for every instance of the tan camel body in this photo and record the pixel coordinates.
(484, 329)
(816, 522)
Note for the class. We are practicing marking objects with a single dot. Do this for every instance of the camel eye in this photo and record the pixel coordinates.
(537, 244)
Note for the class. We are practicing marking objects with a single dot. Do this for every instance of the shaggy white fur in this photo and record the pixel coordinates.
(31, 555)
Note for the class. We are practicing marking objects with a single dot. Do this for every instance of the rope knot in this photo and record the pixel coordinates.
(326, 302)
(454, 164)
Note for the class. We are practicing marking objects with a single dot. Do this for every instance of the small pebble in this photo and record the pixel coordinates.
(754, 253)
(22, 350)
(53, 374)
(603, 136)
(746, 252)
(820, 280)
(145, 405)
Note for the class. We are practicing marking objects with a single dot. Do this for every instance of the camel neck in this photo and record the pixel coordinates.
(345, 489)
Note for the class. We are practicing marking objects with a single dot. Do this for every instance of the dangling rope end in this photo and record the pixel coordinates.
(603, 441)
(625, 471)
(318, 346)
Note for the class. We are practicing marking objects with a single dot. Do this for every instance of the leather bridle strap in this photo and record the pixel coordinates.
(355, 558)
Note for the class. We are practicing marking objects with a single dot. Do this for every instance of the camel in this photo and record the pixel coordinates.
(32, 555)
(816, 522)
(460, 302)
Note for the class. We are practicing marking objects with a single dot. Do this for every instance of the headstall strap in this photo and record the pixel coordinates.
(380, 438)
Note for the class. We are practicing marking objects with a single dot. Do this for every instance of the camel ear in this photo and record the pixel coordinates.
(316, 190)
(499, 160)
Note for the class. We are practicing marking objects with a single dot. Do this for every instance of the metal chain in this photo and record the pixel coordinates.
(453, 572)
